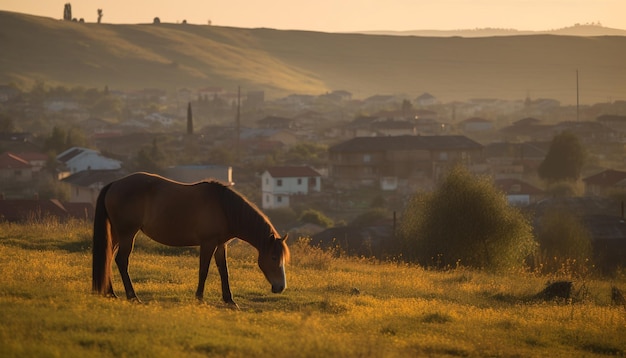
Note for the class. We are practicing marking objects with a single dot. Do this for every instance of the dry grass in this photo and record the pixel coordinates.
(332, 307)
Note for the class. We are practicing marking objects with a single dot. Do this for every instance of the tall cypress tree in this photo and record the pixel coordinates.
(189, 119)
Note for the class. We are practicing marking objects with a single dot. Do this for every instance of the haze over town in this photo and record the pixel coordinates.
(345, 15)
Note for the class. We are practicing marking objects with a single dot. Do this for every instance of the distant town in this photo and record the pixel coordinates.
(330, 152)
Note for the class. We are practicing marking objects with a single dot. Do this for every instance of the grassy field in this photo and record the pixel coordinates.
(346, 307)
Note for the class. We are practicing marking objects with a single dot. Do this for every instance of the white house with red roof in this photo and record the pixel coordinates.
(278, 184)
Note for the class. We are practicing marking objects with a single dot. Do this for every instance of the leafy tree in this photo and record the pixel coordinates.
(61, 139)
(6, 124)
(150, 159)
(564, 160)
(311, 153)
(466, 221)
(99, 15)
(315, 217)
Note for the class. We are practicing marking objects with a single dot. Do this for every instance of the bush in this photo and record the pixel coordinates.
(563, 243)
(465, 221)
(312, 216)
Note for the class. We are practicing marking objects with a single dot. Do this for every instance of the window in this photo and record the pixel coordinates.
(279, 182)
(299, 181)
(279, 199)
(367, 158)
(312, 182)
(443, 156)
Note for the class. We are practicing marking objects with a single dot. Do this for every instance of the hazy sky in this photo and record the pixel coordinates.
(343, 15)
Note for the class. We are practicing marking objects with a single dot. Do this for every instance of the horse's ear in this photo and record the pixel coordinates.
(285, 237)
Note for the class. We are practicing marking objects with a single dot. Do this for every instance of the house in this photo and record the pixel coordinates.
(15, 169)
(276, 122)
(36, 159)
(78, 159)
(425, 99)
(399, 161)
(278, 184)
(605, 182)
(615, 122)
(476, 124)
(86, 185)
(393, 127)
(196, 173)
(519, 193)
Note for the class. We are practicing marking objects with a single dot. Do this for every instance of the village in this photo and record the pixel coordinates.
(334, 154)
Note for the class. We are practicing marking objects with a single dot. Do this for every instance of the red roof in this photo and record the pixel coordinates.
(293, 172)
(12, 161)
(608, 177)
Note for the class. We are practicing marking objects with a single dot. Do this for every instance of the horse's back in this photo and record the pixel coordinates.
(169, 212)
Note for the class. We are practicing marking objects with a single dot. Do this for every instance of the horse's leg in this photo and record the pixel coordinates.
(206, 253)
(110, 292)
(126, 242)
(222, 267)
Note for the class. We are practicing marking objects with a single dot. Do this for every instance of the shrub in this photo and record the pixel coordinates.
(466, 221)
(563, 242)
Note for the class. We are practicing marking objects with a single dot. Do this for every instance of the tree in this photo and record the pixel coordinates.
(67, 12)
(466, 221)
(150, 159)
(189, 119)
(99, 15)
(156, 21)
(564, 160)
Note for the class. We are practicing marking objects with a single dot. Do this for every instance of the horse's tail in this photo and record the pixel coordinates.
(102, 250)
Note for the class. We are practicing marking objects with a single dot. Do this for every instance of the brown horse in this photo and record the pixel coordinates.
(206, 214)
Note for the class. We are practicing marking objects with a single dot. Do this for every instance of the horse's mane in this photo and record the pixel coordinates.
(241, 212)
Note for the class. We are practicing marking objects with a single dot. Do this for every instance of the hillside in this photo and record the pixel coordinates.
(282, 62)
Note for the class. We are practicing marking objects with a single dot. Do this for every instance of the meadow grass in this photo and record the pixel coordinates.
(333, 306)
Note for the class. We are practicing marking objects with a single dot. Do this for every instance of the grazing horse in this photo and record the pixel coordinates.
(206, 214)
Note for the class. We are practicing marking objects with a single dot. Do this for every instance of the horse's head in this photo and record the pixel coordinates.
(272, 261)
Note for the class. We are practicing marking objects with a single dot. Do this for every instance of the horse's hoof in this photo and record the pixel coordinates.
(135, 300)
(232, 305)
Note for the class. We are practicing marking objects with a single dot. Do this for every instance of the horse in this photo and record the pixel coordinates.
(208, 214)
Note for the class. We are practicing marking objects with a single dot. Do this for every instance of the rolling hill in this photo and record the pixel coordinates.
(281, 62)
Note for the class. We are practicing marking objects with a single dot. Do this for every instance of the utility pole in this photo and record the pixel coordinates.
(238, 124)
(577, 99)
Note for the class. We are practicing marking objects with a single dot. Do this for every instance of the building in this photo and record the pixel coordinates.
(278, 184)
(605, 182)
(78, 159)
(16, 169)
(85, 185)
(399, 161)
(518, 192)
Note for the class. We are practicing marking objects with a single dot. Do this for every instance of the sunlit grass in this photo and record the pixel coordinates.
(332, 306)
